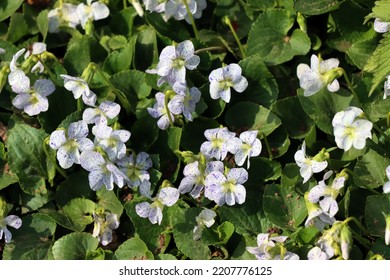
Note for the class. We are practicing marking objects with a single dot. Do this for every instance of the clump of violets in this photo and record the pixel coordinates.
(320, 74)
(223, 79)
(206, 218)
(167, 196)
(350, 130)
(104, 223)
(71, 143)
(11, 221)
(307, 165)
(174, 61)
(271, 248)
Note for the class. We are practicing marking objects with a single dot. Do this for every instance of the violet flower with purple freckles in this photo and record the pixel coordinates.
(160, 112)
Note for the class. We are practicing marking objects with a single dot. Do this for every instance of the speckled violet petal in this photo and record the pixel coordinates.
(168, 196)
(90, 160)
(13, 221)
(143, 209)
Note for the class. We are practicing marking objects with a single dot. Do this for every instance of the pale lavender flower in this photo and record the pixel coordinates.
(204, 219)
(160, 111)
(79, 88)
(195, 175)
(101, 172)
(166, 197)
(312, 79)
(221, 141)
(222, 79)
(136, 168)
(226, 189)
(12, 221)
(174, 61)
(91, 11)
(107, 110)
(265, 245)
(177, 9)
(381, 26)
(155, 5)
(249, 147)
(112, 141)
(65, 15)
(307, 165)
(317, 254)
(326, 195)
(184, 101)
(71, 143)
(104, 224)
(350, 130)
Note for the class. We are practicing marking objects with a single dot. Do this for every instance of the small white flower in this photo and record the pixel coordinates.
(69, 144)
(101, 172)
(307, 165)
(166, 196)
(174, 61)
(222, 79)
(107, 110)
(381, 26)
(135, 167)
(349, 130)
(12, 221)
(386, 88)
(316, 216)
(204, 219)
(112, 141)
(249, 147)
(177, 9)
(312, 79)
(184, 101)
(32, 101)
(386, 186)
(155, 5)
(221, 141)
(79, 88)
(317, 254)
(36, 48)
(64, 16)
(326, 195)
(265, 244)
(93, 11)
(2, 51)
(195, 175)
(227, 189)
(14, 62)
(387, 229)
(104, 224)
(19, 81)
(160, 111)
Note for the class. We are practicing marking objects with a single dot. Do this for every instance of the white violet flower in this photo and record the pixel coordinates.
(79, 88)
(220, 142)
(160, 111)
(308, 165)
(93, 11)
(316, 216)
(381, 26)
(70, 143)
(64, 16)
(184, 101)
(249, 147)
(166, 197)
(36, 48)
(312, 79)
(350, 130)
(104, 224)
(135, 168)
(101, 172)
(386, 186)
(226, 189)
(14, 61)
(317, 254)
(12, 221)
(222, 79)
(204, 219)
(107, 110)
(386, 90)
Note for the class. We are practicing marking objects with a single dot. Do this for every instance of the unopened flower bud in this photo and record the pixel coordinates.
(345, 241)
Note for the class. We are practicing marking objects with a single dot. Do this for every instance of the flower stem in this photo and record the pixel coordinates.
(357, 222)
(190, 16)
(350, 86)
(227, 21)
(269, 151)
(350, 172)
(51, 74)
(59, 169)
(216, 48)
(166, 100)
(381, 132)
(360, 239)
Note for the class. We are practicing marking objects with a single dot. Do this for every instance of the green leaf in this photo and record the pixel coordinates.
(377, 65)
(371, 170)
(75, 186)
(146, 52)
(381, 10)
(191, 139)
(79, 211)
(127, 82)
(27, 158)
(17, 27)
(165, 28)
(119, 60)
(262, 170)
(43, 23)
(283, 206)
(7, 8)
(376, 205)
(31, 241)
(241, 253)
(6, 177)
(142, 138)
(294, 119)
(262, 87)
(122, 22)
(361, 52)
(220, 237)
(74, 246)
(183, 225)
(252, 117)
(269, 37)
(32, 203)
(109, 201)
(316, 7)
(133, 249)
(322, 106)
(165, 257)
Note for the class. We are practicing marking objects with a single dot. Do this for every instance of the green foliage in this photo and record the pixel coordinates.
(74, 246)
